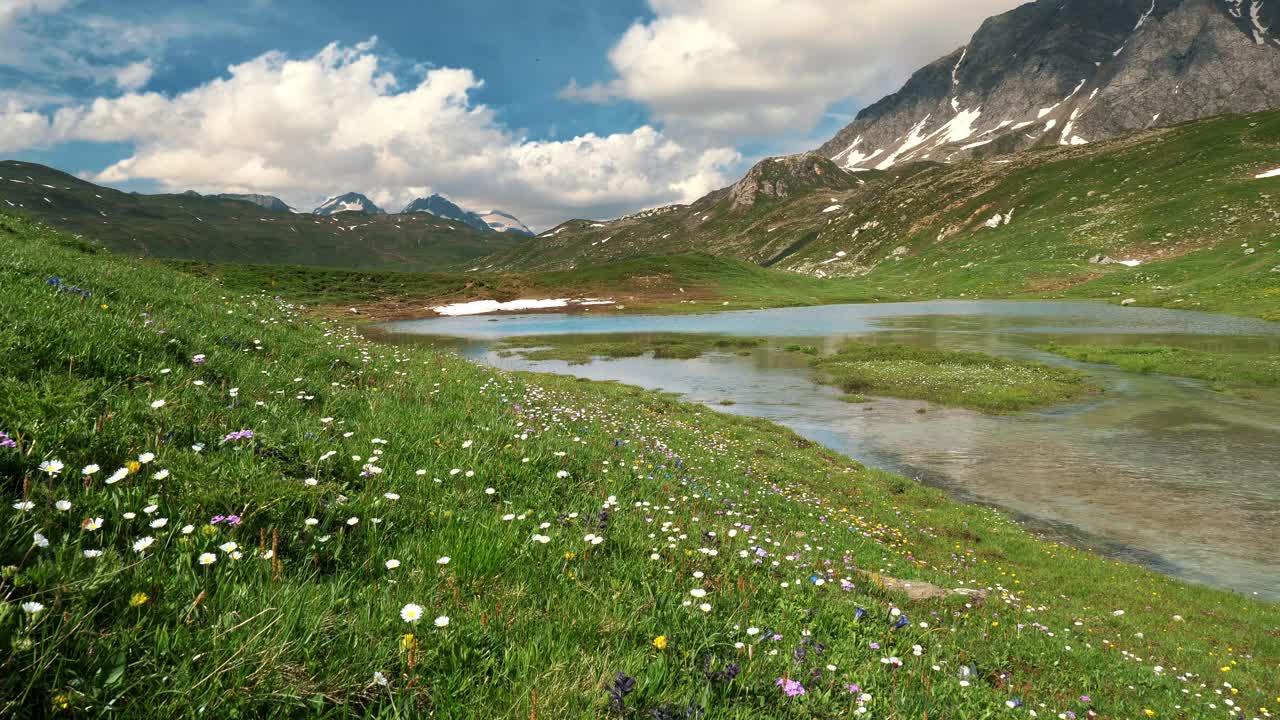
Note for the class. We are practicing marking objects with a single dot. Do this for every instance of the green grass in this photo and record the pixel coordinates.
(964, 379)
(1227, 369)
(582, 349)
(684, 498)
(675, 284)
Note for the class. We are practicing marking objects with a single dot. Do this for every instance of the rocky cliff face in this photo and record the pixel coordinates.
(780, 177)
(1070, 72)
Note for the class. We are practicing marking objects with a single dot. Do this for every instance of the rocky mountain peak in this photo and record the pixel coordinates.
(350, 202)
(1069, 72)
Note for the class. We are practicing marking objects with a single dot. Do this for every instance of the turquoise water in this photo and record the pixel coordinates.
(1157, 470)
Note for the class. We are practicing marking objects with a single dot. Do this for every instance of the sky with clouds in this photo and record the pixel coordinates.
(548, 109)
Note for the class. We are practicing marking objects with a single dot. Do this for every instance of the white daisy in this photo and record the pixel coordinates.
(411, 613)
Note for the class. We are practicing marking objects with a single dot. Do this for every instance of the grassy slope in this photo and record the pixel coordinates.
(1183, 200)
(681, 283)
(739, 507)
(230, 231)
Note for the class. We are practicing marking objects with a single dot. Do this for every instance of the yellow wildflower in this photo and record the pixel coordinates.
(660, 642)
(408, 642)
(134, 466)
(138, 600)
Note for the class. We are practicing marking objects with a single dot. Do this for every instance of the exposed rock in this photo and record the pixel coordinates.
(780, 177)
(1128, 301)
(1066, 72)
(1101, 260)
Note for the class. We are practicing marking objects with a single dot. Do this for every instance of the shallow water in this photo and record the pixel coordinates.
(1158, 470)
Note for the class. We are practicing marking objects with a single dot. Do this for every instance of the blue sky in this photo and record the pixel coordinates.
(548, 108)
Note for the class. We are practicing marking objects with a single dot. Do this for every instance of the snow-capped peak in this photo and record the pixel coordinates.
(350, 202)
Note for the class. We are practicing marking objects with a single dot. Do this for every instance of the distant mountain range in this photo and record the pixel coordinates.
(437, 205)
(257, 229)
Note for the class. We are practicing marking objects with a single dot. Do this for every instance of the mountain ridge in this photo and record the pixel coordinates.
(1070, 72)
(217, 229)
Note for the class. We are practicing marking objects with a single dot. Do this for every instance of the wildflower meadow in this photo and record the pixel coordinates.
(219, 506)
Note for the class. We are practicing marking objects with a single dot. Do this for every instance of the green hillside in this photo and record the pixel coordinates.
(1182, 201)
(305, 523)
(212, 229)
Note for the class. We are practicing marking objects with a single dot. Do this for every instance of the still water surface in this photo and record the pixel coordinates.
(1158, 470)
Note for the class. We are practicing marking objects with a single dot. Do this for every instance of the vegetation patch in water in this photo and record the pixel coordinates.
(582, 349)
(1225, 369)
(964, 379)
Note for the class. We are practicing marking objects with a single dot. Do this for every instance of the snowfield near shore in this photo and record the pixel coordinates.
(480, 307)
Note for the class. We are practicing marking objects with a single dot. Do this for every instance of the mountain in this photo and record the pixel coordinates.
(269, 202)
(1191, 204)
(351, 202)
(442, 207)
(499, 221)
(222, 230)
(1069, 72)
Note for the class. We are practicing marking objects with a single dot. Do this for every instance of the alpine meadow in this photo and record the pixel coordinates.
(669, 360)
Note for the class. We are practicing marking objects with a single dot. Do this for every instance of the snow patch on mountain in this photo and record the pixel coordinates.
(499, 221)
(350, 202)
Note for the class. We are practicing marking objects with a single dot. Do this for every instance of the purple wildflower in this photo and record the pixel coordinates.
(853, 688)
(230, 520)
(875, 646)
(6, 441)
(238, 435)
(791, 687)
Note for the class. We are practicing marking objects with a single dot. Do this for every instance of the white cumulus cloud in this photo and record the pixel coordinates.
(727, 69)
(305, 128)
